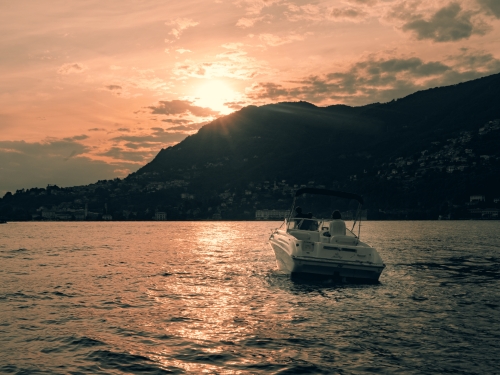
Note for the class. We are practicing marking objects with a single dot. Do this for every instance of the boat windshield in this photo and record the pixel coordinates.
(321, 225)
(303, 224)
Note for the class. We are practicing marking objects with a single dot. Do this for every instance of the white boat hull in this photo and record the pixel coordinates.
(354, 260)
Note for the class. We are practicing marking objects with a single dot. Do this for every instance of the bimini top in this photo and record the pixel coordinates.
(333, 193)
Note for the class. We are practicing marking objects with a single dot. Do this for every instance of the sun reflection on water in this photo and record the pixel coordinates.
(221, 308)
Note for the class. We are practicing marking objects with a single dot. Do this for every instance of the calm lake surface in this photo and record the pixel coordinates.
(205, 297)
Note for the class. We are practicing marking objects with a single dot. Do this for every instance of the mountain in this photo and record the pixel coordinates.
(413, 158)
(301, 142)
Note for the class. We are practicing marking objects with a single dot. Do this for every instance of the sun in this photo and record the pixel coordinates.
(213, 94)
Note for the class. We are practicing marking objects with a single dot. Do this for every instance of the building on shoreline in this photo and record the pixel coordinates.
(160, 216)
(271, 214)
(485, 213)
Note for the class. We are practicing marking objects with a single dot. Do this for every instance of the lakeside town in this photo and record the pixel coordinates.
(478, 207)
(453, 154)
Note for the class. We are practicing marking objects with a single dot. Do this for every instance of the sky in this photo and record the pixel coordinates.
(93, 90)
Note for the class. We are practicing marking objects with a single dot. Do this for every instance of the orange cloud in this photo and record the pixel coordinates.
(180, 25)
(378, 79)
(448, 24)
(175, 107)
(72, 68)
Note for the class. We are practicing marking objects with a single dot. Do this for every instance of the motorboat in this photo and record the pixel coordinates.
(316, 246)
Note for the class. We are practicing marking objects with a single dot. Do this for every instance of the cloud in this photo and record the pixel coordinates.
(55, 161)
(475, 61)
(351, 11)
(113, 87)
(234, 63)
(366, 2)
(143, 79)
(274, 11)
(233, 46)
(255, 7)
(181, 128)
(235, 105)
(448, 24)
(73, 153)
(182, 50)
(120, 153)
(53, 147)
(177, 107)
(248, 22)
(139, 145)
(348, 14)
(467, 65)
(176, 121)
(275, 40)
(130, 150)
(72, 68)
(96, 130)
(123, 129)
(414, 66)
(179, 25)
(269, 90)
(379, 79)
(77, 138)
(491, 7)
(187, 128)
(158, 135)
(150, 142)
(307, 12)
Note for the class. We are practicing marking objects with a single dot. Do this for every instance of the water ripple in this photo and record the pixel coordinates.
(205, 297)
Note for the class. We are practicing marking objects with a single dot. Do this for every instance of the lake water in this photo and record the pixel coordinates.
(205, 297)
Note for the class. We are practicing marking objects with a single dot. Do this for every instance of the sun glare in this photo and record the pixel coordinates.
(213, 94)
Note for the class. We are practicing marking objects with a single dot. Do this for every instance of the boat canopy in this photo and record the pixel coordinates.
(333, 193)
